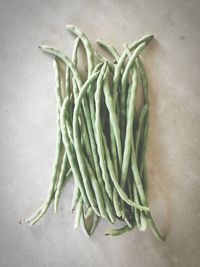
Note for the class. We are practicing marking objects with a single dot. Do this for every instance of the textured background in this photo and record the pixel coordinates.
(27, 131)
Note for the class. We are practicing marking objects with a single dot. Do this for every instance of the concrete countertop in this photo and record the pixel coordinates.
(28, 120)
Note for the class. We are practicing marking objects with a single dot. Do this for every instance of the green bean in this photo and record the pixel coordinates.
(141, 222)
(67, 81)
(53, 51)
(149, 215)
(108, 47)
(139, 216)
(142, 194)
(137, 178)
(69, 122)
(74, 60)
(109, 208)
(142, 116)
(98, 131)
(130, 189)
(76, 196)
(120, 231)
(77, 144)
(127, 222)
(120, 191)
(97, 190)
(75, 51)
(143, 78)
(113, 118)
(136, 52)
(78, 213)
(61, 180)
(145, 135)
(87, 45)
(116, 203)
(115, 139)
(115, 162)
(154, 228)
(59, 147)
(129, 127)
(71, 153)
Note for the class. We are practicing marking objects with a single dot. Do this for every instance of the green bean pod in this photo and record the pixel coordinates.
(78, 213)
(97, 190)
(76, 196)
(108, 47)
(120, 231)
(59, 145)
(113, 119)
(61, 180)
(90, 55)
(98, 131)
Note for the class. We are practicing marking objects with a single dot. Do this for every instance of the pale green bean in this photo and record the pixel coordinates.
(98, 131)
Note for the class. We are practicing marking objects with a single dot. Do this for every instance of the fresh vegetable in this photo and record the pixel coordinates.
(101, 136)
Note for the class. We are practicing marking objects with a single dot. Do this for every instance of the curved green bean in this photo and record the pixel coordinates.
(87, 45)
(75, 198)
(61, 180)
(78, 213)
(108, 47)
(33, 219)
(120, 231)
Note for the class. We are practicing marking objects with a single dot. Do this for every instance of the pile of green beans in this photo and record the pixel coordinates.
(101, 136)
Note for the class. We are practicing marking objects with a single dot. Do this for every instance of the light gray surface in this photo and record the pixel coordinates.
(28, 119)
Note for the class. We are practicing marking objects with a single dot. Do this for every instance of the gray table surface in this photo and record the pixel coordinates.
(28, 120)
